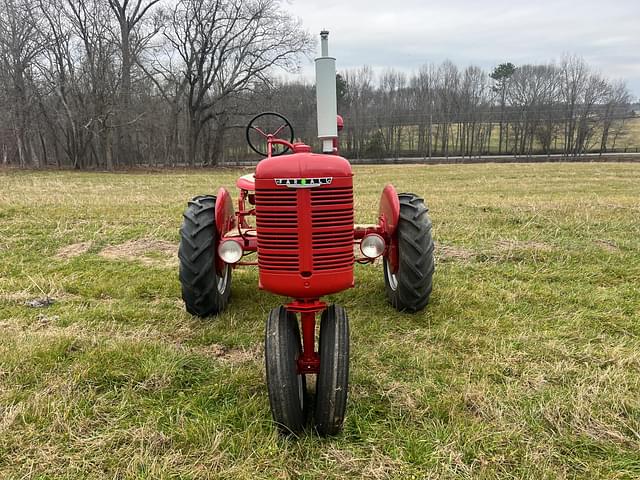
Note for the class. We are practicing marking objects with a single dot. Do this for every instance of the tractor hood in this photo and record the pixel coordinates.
(303, 166)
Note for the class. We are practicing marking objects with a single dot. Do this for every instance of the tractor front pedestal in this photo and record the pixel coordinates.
(288, 361)
(309, 360)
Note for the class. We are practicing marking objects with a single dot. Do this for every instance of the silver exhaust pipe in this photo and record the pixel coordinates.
(326, 97)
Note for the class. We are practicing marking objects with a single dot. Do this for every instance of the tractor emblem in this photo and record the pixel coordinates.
(303, 182)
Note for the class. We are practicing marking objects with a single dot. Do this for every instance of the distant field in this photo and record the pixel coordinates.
(525, 365)
(629, 138)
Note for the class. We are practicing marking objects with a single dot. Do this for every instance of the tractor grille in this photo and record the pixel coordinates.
(277, 225)
(283, 215)
(332, 226)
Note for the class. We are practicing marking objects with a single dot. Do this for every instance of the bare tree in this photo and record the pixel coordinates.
(21, 42)
(616, 99)
(360, 93)
(531, 92)
(225, 47)
(130, 16)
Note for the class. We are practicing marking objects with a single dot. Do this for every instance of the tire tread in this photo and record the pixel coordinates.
(198, 276)
(333, 378)
(416, 259)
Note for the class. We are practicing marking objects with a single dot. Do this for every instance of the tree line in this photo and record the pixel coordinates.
(124, 83)
(441, 110)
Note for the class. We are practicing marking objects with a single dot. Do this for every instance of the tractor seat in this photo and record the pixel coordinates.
(247, 182)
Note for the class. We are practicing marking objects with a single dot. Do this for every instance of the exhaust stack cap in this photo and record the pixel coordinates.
(326, 97)
(324, 42)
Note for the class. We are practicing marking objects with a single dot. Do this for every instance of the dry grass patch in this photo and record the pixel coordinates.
(607, 245)
(8, 415)
(402, 395)
(510, 245)
(73, 250)
(35, 300)
(453, 252)
(19, 296)
(148, 251)
(373, 465)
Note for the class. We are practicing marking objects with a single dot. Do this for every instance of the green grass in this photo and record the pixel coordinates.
(526, 364)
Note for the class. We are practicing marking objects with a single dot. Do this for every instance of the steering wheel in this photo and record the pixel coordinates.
(269, 120)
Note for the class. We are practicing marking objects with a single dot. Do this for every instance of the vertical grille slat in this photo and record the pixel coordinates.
(278, 229)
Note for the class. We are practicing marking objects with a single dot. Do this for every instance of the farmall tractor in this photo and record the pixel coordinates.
(304, 236)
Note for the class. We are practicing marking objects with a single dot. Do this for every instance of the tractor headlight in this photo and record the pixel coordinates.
(230, 251)
(372, 245)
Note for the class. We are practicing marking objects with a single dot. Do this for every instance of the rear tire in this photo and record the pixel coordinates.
(333, 378)
(204, 290)
(410, 287)
(287, 389)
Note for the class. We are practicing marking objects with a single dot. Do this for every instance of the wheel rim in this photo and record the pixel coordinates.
(222, 279)
(392, 280)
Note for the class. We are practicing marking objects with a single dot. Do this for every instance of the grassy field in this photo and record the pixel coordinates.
(629, 139)
(526, 364)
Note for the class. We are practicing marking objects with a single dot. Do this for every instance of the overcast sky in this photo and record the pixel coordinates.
(405, 34)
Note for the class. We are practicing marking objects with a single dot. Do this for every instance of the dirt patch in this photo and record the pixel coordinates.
(452, 252)
(232, 355)
(242, 355)
(148, 251)
(608, 245)
(523, 245)
(73, 250)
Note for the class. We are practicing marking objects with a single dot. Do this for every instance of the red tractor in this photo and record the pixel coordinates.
(304, 236)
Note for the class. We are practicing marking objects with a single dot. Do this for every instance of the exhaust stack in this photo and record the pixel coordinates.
(326, 95)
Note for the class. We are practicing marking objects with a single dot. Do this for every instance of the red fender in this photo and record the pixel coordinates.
(225, 215)
(389, 214)
(389, 209)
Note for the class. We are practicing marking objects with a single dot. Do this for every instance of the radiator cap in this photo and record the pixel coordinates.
(301, 148)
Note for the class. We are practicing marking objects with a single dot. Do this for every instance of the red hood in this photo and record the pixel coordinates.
(303, 165)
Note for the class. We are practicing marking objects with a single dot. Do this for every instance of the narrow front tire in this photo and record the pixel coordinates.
(287, 388)
(333, 379)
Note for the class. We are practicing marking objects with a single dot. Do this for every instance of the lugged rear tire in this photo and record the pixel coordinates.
(333, 378)
(204, 290)
(410, 287)
(287, 388)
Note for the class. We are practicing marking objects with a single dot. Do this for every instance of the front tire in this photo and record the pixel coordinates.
(205, 290)
(409, 288)
(287, 388)
(333, 378)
